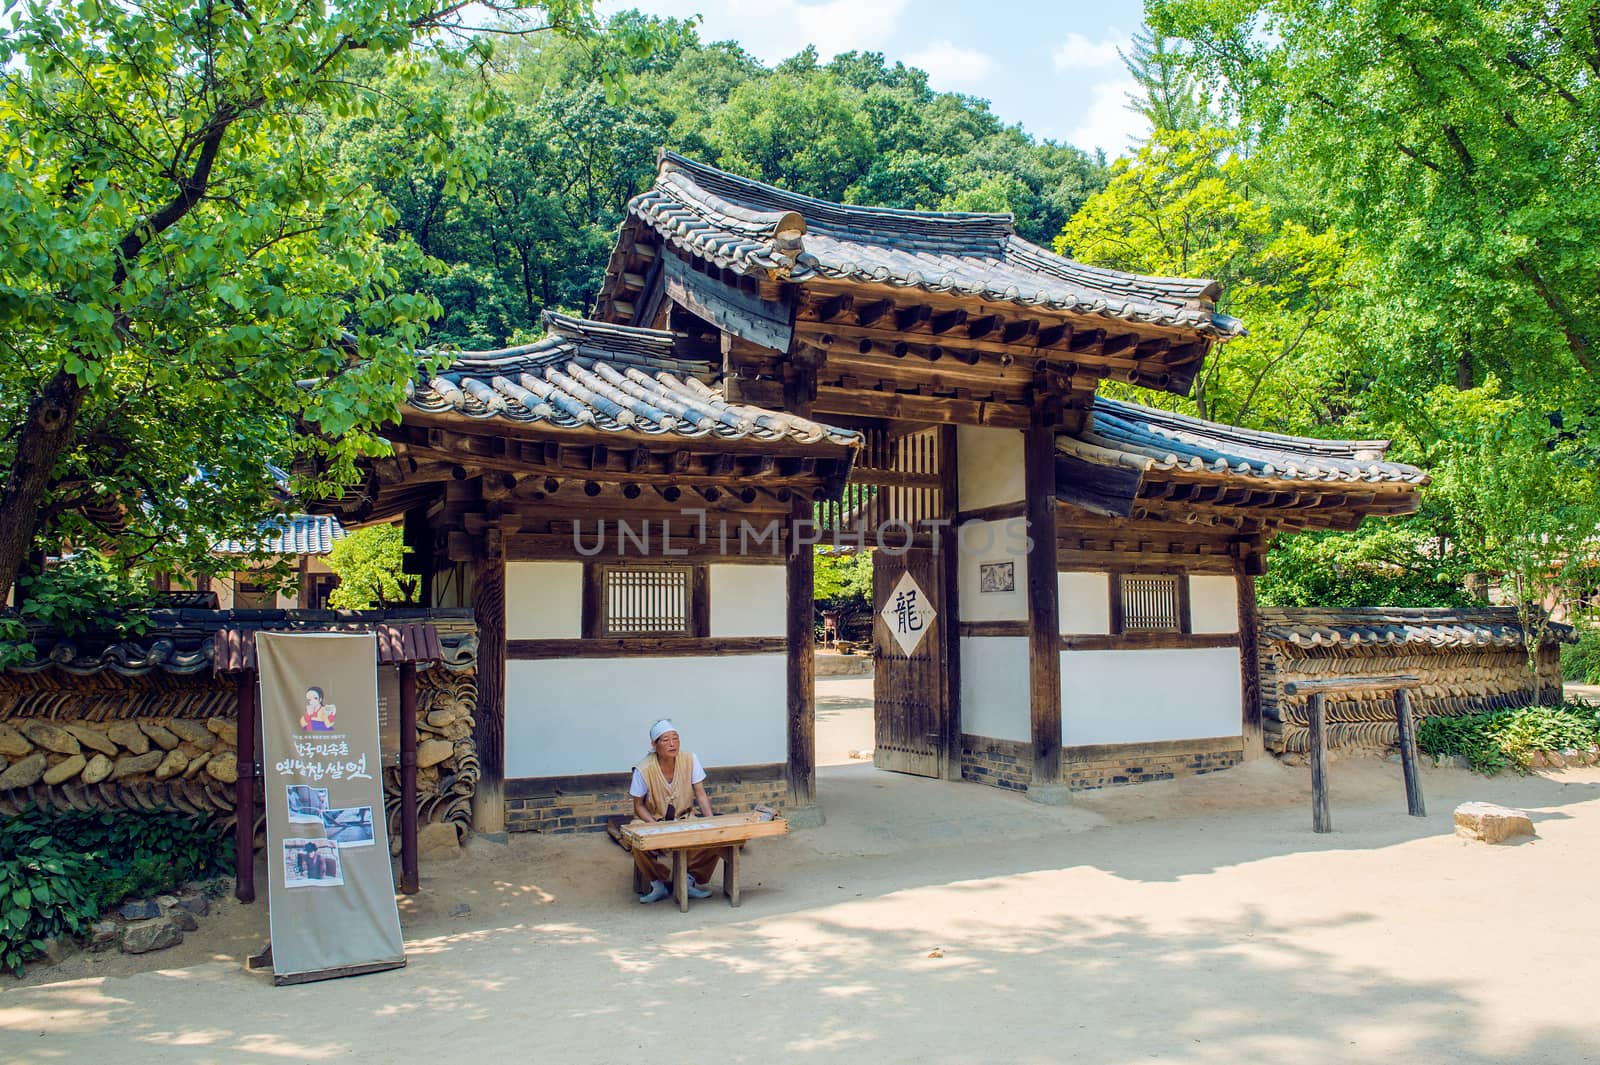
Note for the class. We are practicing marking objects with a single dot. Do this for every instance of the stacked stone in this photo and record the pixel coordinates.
(187, 764)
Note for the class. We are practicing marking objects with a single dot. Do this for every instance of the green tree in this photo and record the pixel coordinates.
(797, 128)
(843, 585)
(180, 254)
(1455, 142)
(369, 563)
(1187, 205)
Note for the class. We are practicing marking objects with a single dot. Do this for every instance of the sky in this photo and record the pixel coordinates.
(1052, 67)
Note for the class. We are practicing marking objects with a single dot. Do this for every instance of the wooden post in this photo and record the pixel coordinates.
(489, 610)
(1249, 667)
(1408, 753)
(947, 550)
(409, 876)
(1044, 613)
(799, 568)
(1318, 712)
(244, 791)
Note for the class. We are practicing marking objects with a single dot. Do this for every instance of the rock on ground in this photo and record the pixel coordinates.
(138, 910)
(438, 840)
(1491, 823)
(104, 936)
(156, 934)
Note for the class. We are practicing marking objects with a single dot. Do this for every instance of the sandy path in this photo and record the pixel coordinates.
(1190, 921)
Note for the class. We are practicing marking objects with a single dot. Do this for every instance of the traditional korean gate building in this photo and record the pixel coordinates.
(1064, 582)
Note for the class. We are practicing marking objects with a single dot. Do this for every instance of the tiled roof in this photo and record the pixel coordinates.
(608, 377)
(187, 641)
(303, 534)
(1145, 439)
(756, 229)
(1388, 626)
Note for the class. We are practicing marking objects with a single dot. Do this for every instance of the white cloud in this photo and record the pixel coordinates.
(951, 67)
(1078, 52)
(1107, 123)
(776, 30)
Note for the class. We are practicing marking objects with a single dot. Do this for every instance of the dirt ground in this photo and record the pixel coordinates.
(1187, 921)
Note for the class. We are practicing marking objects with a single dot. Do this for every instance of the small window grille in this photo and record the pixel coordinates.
(1150, 603)
(647, 601)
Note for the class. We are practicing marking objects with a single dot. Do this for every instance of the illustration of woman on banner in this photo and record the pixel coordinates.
(319, 715)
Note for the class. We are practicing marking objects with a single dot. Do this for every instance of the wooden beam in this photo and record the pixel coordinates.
(489, 610)
(1044, 617)
(799, 571)
(729, 308)
(1249, 667)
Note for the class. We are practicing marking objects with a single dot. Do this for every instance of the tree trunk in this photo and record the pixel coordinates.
(46, 434)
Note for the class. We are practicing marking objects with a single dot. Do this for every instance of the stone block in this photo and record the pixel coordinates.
(130, 765)
(139, 910)
(438, 840)
(156, 934)
(127, 736)
(51, 737)
(224, 767)
(162, 736)
(104, 936)
(192, 732)
(195, 903)
(25, 773)
(172, 765)
(93, 739)
(1491, 823)
(432, 752)
(98, 769)
(14, 744)
(66, 769)
(197, 763)
(224, 729)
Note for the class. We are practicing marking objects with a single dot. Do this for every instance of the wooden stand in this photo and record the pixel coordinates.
(725, 832)
(1317, 714)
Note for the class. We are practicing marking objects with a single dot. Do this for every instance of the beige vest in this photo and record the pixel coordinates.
(677, 792)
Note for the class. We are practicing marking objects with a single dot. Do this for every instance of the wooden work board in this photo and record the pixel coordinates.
(724, 832)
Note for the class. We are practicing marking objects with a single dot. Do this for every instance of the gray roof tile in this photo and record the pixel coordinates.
(754, 228)
(302, 534)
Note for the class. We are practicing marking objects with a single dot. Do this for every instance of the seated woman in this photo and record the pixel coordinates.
(668, 785)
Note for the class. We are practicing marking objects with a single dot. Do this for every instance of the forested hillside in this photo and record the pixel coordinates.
(518, 211)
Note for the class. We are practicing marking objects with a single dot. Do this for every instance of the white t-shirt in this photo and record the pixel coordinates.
(639, 789)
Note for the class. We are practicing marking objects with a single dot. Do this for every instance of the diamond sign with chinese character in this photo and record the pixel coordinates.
(908, 613)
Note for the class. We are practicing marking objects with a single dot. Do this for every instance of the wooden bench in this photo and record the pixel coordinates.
(725, 832)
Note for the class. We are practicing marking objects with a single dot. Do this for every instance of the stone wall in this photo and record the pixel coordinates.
(145, 724)
(1136, 763)
(998, 763)
(586, 804)
(1470, 661)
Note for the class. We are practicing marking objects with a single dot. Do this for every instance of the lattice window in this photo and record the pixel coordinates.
(1151, 603)
(647, 601)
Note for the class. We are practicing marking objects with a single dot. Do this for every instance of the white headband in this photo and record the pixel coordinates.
(661, 728)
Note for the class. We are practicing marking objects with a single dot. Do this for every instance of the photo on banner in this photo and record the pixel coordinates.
(331, 883)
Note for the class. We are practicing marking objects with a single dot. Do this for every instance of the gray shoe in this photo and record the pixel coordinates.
(657, 892)
(696, 891)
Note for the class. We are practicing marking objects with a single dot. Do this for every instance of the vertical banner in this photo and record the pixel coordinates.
(330, 884)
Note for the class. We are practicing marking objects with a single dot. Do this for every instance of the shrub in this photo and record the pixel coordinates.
(1493, 741)
(1580, 661)
(59, 872)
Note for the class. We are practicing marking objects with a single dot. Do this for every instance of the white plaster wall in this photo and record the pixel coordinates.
(994, 687)
(988, 466)
(544, 600)
(978, 542)
(1213, 603)
(749, 600)
(593, 715)
(1085, 603)
(1148, 696)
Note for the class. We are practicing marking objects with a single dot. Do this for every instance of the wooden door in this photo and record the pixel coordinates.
(909, 679)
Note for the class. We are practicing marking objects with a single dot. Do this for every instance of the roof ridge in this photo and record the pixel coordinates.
(827, 214)
(1172, 420)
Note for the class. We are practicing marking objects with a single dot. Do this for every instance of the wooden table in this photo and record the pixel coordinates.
(725, 832)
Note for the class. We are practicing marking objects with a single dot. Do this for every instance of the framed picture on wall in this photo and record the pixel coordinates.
(997, 576)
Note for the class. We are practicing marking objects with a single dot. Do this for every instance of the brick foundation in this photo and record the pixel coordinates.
(586, 803)
(998, 763)
(1007, 763)
(1135, 763)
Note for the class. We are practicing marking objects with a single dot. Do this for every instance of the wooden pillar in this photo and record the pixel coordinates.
(1408, 753)
(489, 611)
(799, 567)
(244, 791)
(1317, 712)
(409, 876)
(947, 549)
(1044, 613)
(1249, 667)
